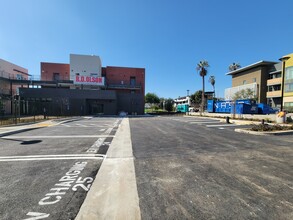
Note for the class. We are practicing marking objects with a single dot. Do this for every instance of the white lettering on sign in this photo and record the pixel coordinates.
(71, 180)
(89, 80)
(36, 215)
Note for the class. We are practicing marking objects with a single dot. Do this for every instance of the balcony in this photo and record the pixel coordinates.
(124, 86)
(274, 94)
(275, 81)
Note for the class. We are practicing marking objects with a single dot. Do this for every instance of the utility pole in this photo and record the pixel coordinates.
(283, 60)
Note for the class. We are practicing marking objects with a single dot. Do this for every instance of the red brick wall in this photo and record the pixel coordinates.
(48, 70)
(114, 75)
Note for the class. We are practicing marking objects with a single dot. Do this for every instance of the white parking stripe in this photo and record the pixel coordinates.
(69, 136)
(58, 155)
(204, 122)
(81, 125)
(222, 125)
(85, 126)
(53, 157)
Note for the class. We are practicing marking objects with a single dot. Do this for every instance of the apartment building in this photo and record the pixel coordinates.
(264, 78)
(12, 77)
(254, 77)
(288, 82)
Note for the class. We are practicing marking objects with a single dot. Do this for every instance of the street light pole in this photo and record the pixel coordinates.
(283, 60)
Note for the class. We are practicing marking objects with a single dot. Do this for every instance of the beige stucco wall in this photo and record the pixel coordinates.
(237, 80)
(288, 99)
(249, 75)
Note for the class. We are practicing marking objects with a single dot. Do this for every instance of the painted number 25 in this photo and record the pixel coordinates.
(83, 183)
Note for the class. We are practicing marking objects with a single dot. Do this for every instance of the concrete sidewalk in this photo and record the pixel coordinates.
(113, 194)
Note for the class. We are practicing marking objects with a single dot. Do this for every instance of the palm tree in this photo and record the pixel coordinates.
(202, 68)
(234, 66)
(212, 81)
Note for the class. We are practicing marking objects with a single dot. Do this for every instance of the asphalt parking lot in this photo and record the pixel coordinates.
(155, 168)
(188, 169)
(46, 173)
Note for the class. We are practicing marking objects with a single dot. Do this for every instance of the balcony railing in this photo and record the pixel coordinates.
(274, 94)
(123, 86)
(275, 81)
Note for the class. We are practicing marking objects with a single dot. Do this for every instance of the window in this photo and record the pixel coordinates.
(288, 87)
(19, 77)
(56, 76)
(132, 81)
(254, 80)
(244, 82)
(289, 73)
(288, 104)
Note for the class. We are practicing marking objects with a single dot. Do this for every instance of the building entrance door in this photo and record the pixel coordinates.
(95, 107)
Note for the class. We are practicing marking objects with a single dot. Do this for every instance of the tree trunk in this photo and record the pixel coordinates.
(202, 95)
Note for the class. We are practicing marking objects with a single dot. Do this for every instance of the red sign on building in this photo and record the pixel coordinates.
(89, 80)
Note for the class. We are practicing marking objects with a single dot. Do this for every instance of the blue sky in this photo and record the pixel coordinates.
(167, 37)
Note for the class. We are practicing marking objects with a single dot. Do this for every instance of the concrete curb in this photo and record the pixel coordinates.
(263, 133)
(232, 121)
(113, 194)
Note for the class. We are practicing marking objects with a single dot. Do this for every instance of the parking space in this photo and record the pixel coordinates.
(212, 123)
(46, 173)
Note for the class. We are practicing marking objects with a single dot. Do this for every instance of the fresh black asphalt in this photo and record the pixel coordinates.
(51, 184)
(187, 170)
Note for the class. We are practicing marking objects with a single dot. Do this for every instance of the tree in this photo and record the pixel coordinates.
(244, 94)
(202, 68)
(152, 98)
(169, 104)
(196, 97)
(234, 66)
(162, 103)
(212, 81)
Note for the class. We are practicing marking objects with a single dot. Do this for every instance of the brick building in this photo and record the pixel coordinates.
(85, 87)
(11, 78)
